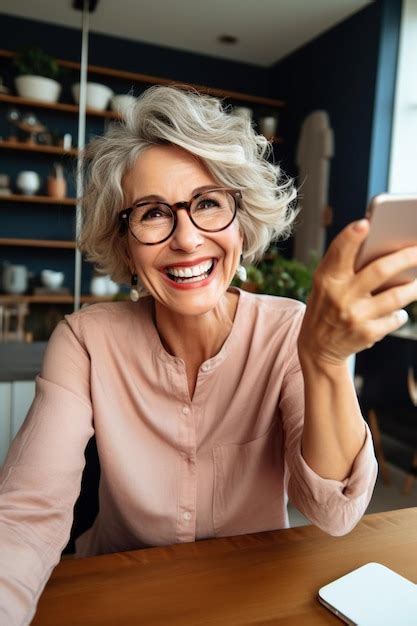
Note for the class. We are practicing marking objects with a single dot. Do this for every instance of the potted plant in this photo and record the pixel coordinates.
(277, 276)
(37, 72)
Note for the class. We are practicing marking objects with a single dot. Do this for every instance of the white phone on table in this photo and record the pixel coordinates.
(372, 595)
(393, 225)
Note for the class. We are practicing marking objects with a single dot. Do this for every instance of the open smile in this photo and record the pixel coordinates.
(190, 274)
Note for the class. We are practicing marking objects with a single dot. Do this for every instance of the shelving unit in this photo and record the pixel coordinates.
(39, 202)
(58, 106)
(158, 80)
(51, 299)
(37, 243)
(29, 147)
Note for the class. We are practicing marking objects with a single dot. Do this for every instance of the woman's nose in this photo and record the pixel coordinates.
(186, 236)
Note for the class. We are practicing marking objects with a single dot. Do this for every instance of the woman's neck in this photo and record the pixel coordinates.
(196, 338)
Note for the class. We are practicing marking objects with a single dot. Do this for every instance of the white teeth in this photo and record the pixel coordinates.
(190, 272)
(194, 279)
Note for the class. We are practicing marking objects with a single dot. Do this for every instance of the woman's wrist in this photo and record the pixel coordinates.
(313, 364)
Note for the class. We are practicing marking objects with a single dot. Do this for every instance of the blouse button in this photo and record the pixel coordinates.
(187, 516)
(205, 367)
(185, 410)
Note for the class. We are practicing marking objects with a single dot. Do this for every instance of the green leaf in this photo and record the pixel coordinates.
(35, 61)
(278, 276)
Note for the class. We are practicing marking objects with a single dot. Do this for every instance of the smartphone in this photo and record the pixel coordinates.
(372, 595)
(393, 225)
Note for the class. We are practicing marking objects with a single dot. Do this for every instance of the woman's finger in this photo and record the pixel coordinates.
(383, 269)
(388, 301)
(339, 259)
(376, 330)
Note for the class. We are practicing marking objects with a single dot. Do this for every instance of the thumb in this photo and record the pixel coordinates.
(341, 255)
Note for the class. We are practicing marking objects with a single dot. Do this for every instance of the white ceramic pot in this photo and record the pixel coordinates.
(244, 112)
(15, 279)
(28, 182)
(268, 126)
(122, 102)
(38, 88)
(51, 279)
(98, 95)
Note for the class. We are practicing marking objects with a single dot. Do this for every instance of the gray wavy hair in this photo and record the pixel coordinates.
(226, 144)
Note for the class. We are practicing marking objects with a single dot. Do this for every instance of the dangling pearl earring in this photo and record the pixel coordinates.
(134, 293)
(241, 273)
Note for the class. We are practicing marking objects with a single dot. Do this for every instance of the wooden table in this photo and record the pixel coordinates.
(266, 578)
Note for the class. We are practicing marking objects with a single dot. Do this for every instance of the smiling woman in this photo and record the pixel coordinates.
(224, 146)
(210, 406)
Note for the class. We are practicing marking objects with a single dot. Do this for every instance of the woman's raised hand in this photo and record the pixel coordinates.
(343, 315)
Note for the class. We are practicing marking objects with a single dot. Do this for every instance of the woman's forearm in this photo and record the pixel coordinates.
(334, 431)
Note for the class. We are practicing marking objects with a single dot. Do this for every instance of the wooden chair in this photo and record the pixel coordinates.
(87, 505)
(12, 321)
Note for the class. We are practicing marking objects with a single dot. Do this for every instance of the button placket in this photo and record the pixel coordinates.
(188, 475)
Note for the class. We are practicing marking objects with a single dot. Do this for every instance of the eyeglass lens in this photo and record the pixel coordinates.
(211, 211)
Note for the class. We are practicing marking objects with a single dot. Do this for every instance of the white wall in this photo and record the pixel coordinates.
(403, 166)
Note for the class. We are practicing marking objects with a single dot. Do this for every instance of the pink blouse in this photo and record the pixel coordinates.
(172, 469)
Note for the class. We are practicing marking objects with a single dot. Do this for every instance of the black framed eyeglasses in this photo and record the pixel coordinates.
(152, 222)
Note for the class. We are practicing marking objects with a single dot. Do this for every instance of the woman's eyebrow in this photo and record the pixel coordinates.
(153, 196)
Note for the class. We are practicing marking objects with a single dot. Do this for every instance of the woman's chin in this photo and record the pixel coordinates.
(196, 301)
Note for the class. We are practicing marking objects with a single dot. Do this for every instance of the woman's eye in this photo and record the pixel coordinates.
(207, 203)
(154, 214)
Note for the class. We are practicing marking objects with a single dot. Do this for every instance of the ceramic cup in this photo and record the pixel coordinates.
(15, 279)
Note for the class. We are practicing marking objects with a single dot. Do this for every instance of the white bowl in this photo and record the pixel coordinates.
(51, 279)
(122, 102)
(98, 95)
(38, 88)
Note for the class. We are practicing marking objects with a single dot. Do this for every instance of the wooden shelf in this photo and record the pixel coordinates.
(158, 80)
(33, 147)
(51, 299)
(37, 243)
(56, 106)
(38, 199)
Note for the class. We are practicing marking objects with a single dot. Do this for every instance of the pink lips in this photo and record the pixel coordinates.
(187, 286)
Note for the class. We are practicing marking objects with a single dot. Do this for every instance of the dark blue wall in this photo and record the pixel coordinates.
(349, 71)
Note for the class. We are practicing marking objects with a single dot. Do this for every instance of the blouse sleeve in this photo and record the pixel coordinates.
(41, 477)
(332, 505)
